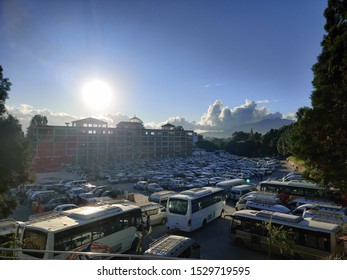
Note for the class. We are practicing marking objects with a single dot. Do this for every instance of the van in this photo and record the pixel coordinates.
(161, 197)
(241, 204)
(227, 185)
(74, 184)
(237, 191)
(296, 202)
(338, 209)
(42, 196)
(274, 207)
(155, 212)
(174, 246)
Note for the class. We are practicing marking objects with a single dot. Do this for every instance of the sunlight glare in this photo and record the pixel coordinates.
(97, 94)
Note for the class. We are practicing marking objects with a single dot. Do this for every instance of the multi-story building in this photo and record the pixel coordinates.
(91, 140)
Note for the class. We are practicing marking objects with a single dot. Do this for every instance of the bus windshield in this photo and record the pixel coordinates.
(34, 240)
(178, 206)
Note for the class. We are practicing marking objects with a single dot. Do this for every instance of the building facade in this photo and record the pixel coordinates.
(91, 140)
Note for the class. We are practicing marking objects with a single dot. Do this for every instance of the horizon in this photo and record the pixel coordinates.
(197, 64)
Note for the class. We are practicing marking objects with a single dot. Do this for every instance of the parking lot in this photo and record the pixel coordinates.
(213, 239)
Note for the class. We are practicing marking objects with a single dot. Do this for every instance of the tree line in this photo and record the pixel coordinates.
(249, 144)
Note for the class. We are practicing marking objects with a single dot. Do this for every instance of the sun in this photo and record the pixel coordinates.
(97, 94)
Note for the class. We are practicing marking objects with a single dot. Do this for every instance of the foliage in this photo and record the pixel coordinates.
(284, 142)
(13, 242)
(37, 120)
(320, 134)
(4, 89)
(246, 144)
(281, 237)
(207, 145)
(14, 154)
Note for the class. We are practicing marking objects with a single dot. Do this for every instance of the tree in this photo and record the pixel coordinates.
(279, 236)
(321, 131)
(14, 153)
(4, 89)
(37, 120)
(285, 143)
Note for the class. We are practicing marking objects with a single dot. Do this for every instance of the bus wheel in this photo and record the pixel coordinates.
(204, 223)
(239, 242)
(135, 244)
(221, 213)
(163, 221)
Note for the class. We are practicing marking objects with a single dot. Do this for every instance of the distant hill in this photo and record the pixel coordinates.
(261, 127)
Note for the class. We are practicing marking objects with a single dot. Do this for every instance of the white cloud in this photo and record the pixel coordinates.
(265, 101)
(220, 116)
(290, 116)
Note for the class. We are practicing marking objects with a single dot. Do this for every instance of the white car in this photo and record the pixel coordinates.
(64, 207)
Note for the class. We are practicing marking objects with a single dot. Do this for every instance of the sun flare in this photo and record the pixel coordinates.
(97, 94)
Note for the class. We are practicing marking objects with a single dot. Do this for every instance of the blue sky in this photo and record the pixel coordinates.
(198, 63)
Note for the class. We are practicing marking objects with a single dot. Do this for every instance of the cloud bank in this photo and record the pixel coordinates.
(218, 117)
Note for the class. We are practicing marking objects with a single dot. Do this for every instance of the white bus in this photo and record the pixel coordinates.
(194, 208)
(313, 239)
(228, 184)
(113, 228)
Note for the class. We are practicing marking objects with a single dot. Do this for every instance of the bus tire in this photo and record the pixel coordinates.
(163, 221)
(221, 213)
(204, 223)
(135, 244)
(240, 242)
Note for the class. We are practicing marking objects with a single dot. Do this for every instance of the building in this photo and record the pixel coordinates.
(91, 140)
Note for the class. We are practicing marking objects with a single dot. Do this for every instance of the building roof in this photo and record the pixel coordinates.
(136, 120)
(168, 126)
(88, 121)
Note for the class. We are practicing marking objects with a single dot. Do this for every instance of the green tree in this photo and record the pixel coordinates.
(285, 143)
(321, 131)
(4, 89)
(14, 153)
(281, 237)
(37, 120)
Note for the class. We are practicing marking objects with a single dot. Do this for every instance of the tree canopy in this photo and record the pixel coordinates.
(321, 131)
(14, 153)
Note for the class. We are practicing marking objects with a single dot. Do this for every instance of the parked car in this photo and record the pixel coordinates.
(64, 207)
(154, 187)
(86, 199)
(51, 204)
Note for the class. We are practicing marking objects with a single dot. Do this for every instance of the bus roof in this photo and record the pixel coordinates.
(78, 216)
(169, 245)
(288, 220)
(301, 184)
(163, 193)
(196, 192)
(231, 181)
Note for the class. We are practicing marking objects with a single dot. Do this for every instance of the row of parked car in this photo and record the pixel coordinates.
(43, 198)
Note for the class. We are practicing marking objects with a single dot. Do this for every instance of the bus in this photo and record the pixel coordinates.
(161, 197)
(313, 239)
(112, 228)
(174, 246)
(292, 189)
(194, 208)
(226, 185)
